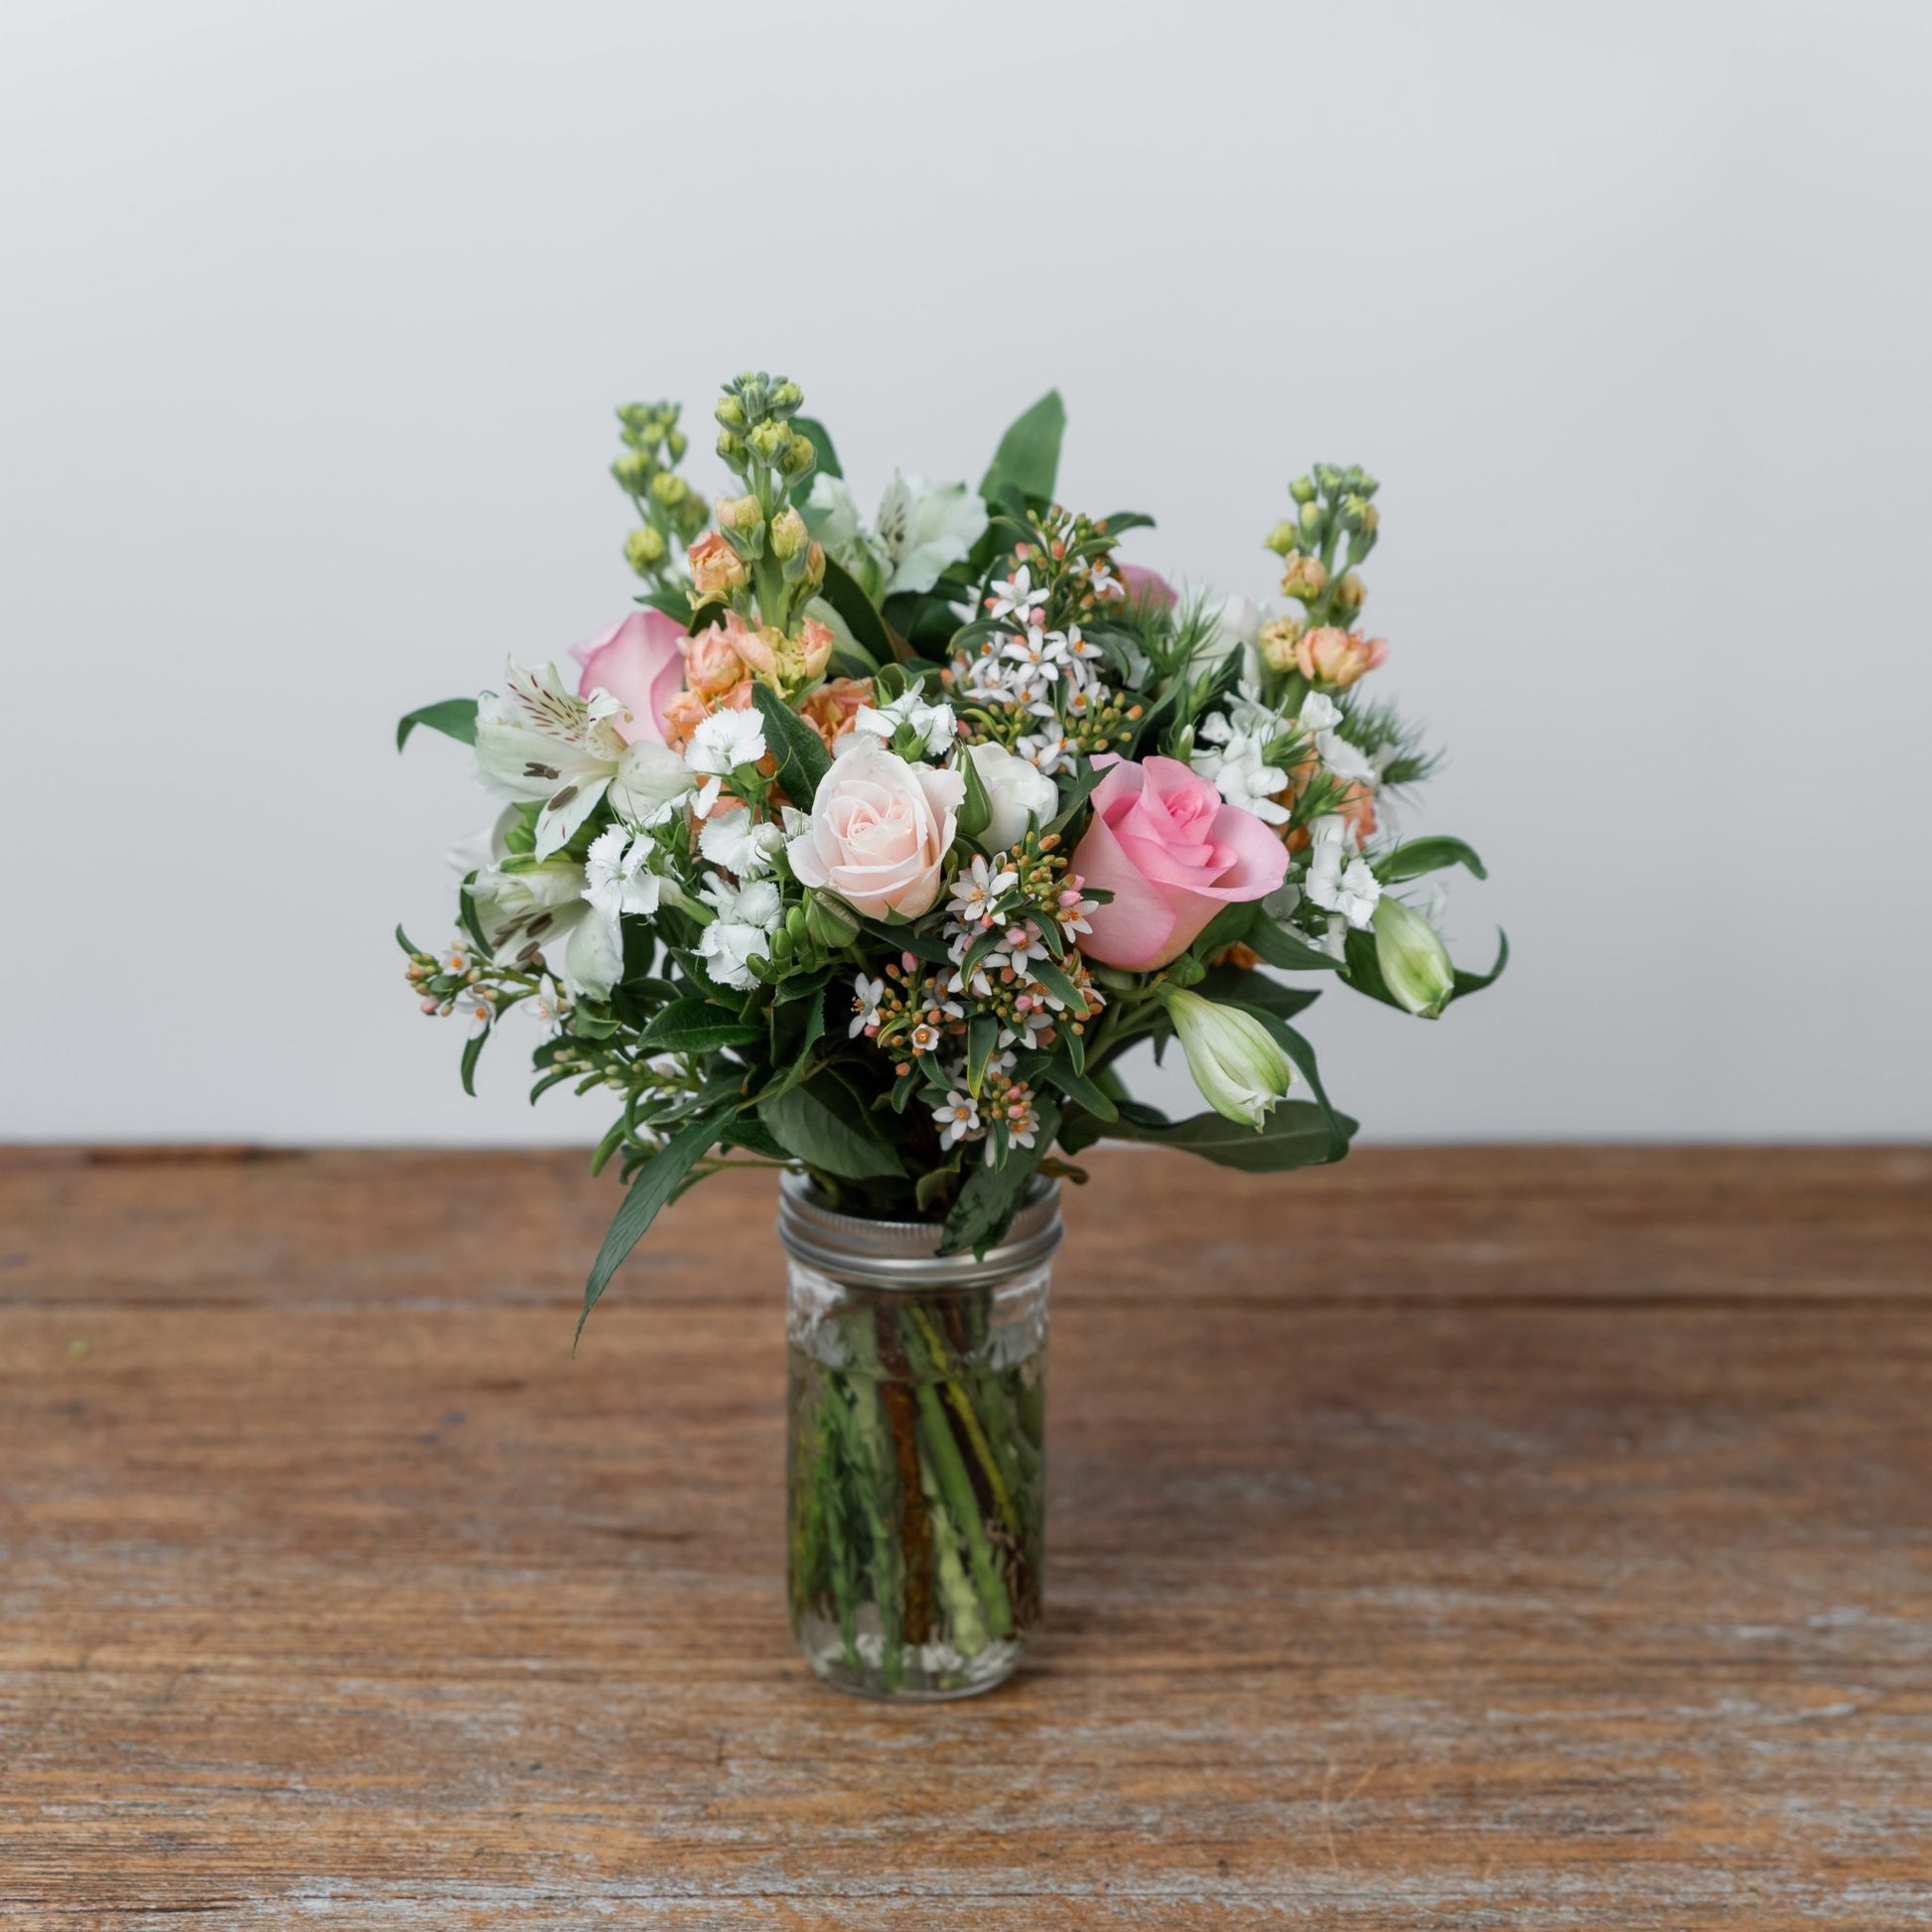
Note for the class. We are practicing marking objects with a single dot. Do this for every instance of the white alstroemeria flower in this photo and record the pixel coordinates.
(924, 528)
(720, 744)
(747, 915)
(921, 529)
(527, 905)
(535, 740)
(934, 723)
(734, 844)
(959, 1118)
(1234, 625)
(1338, 881)
(866, 996)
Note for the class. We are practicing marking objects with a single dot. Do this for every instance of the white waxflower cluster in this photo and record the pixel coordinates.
(1052, 675)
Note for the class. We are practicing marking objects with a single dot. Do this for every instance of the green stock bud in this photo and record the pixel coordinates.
(800, 458)
(668, 488)
(1240, 1068)
(788, 535)
(1353, 511)
(643, 550)
(1302, 489)
(768, 439)
(1412, 959)
(633, 471)
(1283, 538)
(1327, 479)
(830, 922)
(1311, 519)
(786, 398)
(690, 516)
(676, 445)
(742, 513)
(730, 449)
(730, 412)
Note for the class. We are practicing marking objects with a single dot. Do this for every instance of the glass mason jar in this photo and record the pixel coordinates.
(916, 1446)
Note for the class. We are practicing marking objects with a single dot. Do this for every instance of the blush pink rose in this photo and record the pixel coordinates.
(878, 830)
(639, 660)
(1148, 587)
(1172, 852)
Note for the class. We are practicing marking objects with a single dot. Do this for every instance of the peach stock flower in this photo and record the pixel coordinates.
(715, 568)
(878, 830)
(1172, 853)
(1336, 658)
(831, 709)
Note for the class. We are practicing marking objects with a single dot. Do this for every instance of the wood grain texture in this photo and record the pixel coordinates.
(1474, 1538)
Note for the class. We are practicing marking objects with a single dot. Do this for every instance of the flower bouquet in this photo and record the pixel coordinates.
(866, 853)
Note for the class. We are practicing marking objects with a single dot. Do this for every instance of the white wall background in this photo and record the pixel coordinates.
(314, 316)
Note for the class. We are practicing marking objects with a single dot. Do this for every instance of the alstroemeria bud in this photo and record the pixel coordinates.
(1412, 959)
(1240, 1068)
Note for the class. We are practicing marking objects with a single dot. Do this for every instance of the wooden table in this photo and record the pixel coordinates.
(1479, 1538)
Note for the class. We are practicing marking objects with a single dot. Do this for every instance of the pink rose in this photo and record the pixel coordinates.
(1148, 587)
(639, 660)
(878, 830)
(1172, 853)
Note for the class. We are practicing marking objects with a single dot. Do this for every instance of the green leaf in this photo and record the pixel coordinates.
(695, 1026)
(1298, 1049)
(1077, 1087)
(802, 757)
(1029, 456)
(1419, 856)
(1241, 986)
(472, 1053)
(991, 1195)
(1295, 1135)
(671, 600)
(1468, 982)
(1073, 795)
(842, 591)
(820, 1123)
(976, 809)
(466, 908)
(814, 431)
(1280, 948)
(454, 718)
(1061, 986)
(981, 1043)
(404, 941)
(657, 1180)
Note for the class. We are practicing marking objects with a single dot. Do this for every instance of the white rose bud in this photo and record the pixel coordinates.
(1015, 790)
(1238, 1065)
